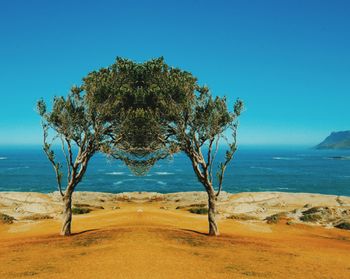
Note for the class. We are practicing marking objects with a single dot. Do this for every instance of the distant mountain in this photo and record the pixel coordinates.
(336, 140)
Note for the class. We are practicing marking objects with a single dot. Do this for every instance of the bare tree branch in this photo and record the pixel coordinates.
(51, 156)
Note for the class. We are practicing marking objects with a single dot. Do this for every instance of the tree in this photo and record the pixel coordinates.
(199, 130)
(81, 135)
(139, 113)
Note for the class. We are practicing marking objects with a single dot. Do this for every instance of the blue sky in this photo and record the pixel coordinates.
(288, 60)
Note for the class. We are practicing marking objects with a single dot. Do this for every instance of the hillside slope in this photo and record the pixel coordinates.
(336, 140)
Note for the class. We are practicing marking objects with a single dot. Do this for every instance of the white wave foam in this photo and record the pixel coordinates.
(163, 173)
(261, 168)
(285, 158)
(115, 173)
(161, 182)
(18, 168)
(337, 158)
(3, 158)
(118, 183)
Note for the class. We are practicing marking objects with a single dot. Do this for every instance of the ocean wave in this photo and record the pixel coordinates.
(161, 182)
(3, 158)
(285, 158)
(115, 173)
(260, 168)
(337, 158)
(123, 181)
(18, 168)
(163, 173)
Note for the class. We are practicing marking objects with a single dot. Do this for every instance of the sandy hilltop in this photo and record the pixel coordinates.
(152, 235)
(272, 207)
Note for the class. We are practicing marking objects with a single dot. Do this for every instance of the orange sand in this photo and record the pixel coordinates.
(144, 241)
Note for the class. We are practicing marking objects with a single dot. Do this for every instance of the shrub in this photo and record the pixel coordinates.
(198, 205)
(275, 218)
(318, 209)
(81, 205)
(198, 210)
(6, 219)
(343, 226)
(312, 210)
(315, 214)
(80, 210)
(311, 217)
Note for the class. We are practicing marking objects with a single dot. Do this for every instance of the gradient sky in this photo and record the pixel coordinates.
(288, 60)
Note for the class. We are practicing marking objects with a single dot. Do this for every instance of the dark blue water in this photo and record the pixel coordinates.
(253, 169)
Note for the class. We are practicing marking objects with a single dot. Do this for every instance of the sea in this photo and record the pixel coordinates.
(254, 169)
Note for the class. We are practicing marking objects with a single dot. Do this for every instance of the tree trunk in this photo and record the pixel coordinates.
(67, 215)
(213, 227)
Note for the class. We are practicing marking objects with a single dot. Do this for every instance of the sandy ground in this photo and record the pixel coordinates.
(149, 240)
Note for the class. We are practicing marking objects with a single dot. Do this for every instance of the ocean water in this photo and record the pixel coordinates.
(253, 169)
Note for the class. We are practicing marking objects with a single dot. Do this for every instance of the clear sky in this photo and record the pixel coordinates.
(288, 60)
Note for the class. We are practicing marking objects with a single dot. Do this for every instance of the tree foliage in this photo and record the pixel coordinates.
(140, 101)
(74, 125)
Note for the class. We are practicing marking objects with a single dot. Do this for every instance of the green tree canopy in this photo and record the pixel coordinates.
(141, 101)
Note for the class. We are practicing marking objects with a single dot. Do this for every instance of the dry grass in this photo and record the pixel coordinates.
(242, 217)
(37, 217)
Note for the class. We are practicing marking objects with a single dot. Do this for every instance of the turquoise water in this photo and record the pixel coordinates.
(253, 169)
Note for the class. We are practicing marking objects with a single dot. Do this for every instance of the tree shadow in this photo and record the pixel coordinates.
(83, 232)
(194, 231)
